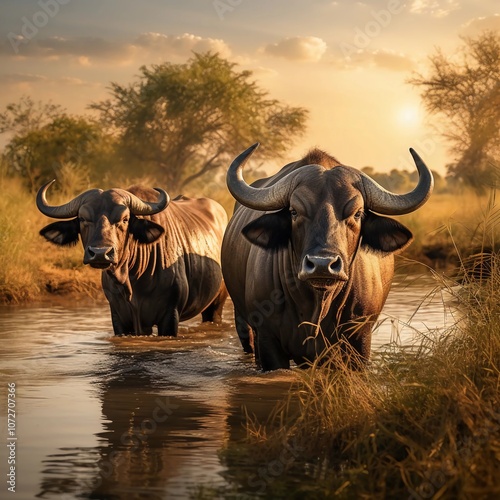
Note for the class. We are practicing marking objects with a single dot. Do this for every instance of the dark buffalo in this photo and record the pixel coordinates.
(306, 259)
(160, 260)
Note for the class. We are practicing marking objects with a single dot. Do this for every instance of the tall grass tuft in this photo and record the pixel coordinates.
(423, 421)
(30, 266)
(17, 247)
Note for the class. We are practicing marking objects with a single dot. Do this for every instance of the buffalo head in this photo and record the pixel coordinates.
(104, 220)
(324, 215)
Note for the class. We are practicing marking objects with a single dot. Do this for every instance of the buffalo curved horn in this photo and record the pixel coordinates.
(377, 198)
(70, 209)
(141, 207)
(66, 211)
(384, 202)
(274, 197)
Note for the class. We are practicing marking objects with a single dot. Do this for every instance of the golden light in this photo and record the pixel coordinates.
(408, 116)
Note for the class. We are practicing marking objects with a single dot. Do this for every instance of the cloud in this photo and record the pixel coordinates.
(55, 48)
(391, 60)
(380, 58)
(76, 82)
(263, 72)
(434, 8)
(17, 78)
(84, 61)
(478, 24)
(24, 79)
(305, 48)
(87, 51)
(184, 45)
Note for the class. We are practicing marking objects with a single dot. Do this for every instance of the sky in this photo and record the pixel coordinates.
(347, 62)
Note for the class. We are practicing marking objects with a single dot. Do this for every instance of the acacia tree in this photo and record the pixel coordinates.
(466, 93)
(185, 120)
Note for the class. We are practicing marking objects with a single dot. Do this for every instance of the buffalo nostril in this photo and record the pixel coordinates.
(101, 253)
(313, 265)
(322, 268)
(335, 265)
(309, 264)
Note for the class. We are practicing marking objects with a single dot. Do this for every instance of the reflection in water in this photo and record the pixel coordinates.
(105, 417)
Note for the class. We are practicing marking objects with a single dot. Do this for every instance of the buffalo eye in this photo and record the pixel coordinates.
(293, 213)
(122, 222)
(83, 221)
(358, 215)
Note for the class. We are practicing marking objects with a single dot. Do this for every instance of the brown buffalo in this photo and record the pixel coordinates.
(306, 246)
(160, 261)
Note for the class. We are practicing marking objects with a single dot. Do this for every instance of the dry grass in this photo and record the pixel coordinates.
(422, 421)
(30, 266)
(449, 225)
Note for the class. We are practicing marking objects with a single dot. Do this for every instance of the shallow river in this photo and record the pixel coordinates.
(143, 418)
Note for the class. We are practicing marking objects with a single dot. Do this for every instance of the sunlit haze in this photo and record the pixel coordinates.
(347, 62)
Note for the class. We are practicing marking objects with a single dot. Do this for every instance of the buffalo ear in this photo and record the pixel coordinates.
(385, 234)
(270, 231)
(64, 233)
(144, 230)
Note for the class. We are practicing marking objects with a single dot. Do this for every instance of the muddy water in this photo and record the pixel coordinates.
(133, 418)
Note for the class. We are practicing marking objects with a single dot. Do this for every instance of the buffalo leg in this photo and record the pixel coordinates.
(169, 324)
(213, 313)
(361, 345)
(244, 332)
(357, 345)
(120, 327)
(271, 355)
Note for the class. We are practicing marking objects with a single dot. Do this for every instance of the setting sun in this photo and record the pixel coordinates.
(409, 116)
